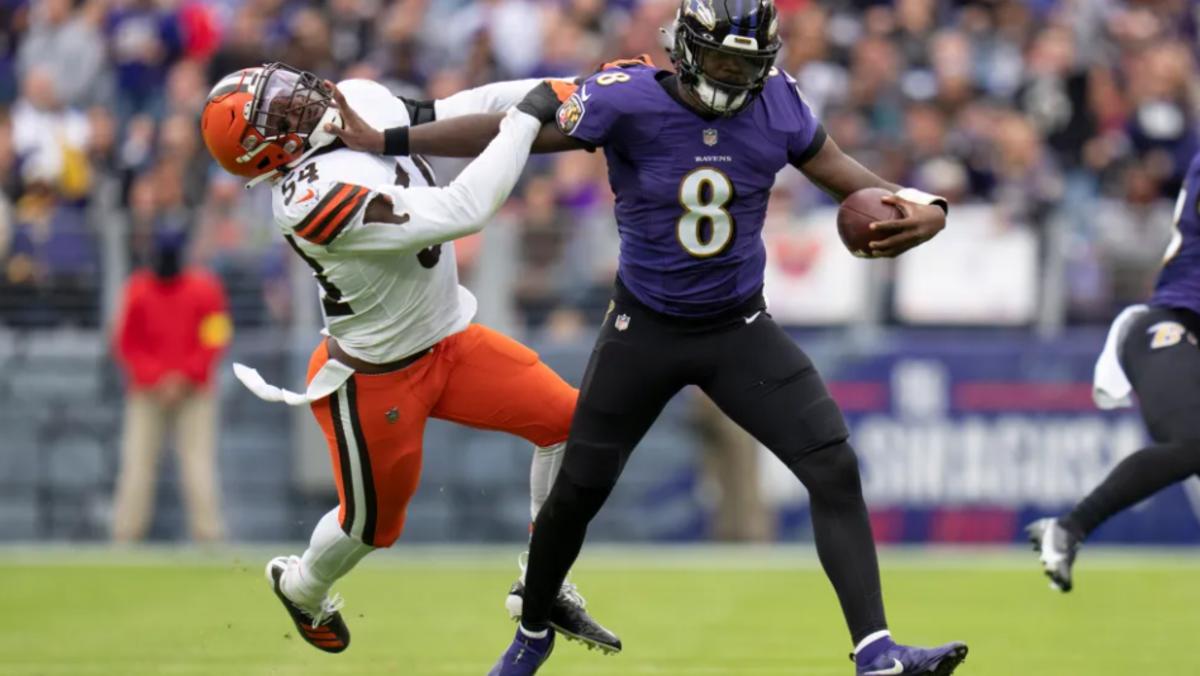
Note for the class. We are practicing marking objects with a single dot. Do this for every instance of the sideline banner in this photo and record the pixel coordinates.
(965, 439)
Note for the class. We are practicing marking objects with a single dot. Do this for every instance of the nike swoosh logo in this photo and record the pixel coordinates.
(750, 320)
(896, 668)
(308, 195)
(583, 95)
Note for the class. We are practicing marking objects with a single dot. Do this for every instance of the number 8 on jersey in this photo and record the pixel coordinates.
(703, 194)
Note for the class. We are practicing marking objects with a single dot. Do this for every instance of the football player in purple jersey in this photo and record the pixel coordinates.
(692, 156)
(1154, 351)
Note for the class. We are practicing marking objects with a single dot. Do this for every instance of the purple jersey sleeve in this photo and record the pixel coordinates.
(805, 134)
(594, 111)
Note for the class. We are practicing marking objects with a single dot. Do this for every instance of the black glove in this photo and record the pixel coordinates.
(542, 101)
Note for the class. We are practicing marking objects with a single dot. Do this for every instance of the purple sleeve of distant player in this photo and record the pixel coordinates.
(809, 136)
(591, 113)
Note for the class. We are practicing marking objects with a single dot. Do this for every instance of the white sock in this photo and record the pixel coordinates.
(330, 555)
(871, 639)
(534, 634)
(542, 472)
(546, 461)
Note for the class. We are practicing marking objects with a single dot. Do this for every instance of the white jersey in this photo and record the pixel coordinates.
(390, 290)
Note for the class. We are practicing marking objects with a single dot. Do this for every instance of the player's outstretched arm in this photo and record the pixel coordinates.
(398, 218)
(838, 174)
(461, 136)
(490, 98)
(467, 135)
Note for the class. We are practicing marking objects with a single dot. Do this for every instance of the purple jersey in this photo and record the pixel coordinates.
(1179, 282)
(691, 192)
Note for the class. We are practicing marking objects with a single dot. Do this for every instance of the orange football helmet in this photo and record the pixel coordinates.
(258, 120)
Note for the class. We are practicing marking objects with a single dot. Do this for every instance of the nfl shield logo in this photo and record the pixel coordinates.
(392, 415)
(622, 322)
(710, 137)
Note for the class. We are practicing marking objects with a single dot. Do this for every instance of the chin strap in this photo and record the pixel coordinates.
(262, 177)
(921, 197)
(319, 138)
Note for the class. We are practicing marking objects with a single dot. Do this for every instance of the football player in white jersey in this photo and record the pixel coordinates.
(399, 344)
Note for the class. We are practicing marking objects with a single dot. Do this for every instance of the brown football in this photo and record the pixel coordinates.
(858, 211)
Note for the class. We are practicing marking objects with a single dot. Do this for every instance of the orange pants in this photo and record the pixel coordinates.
(375, 424)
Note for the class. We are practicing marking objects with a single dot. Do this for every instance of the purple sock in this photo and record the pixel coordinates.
(873, 649)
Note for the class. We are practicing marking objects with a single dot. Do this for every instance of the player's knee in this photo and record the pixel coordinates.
(558, 410)
(573, 499)
(820, 427)
(379, 529)
(830, 472)
(386, 535)
(592, 465)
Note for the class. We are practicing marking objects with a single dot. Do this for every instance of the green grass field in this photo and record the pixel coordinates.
(744, 613)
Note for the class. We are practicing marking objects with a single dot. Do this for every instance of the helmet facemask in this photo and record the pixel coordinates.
(287, 103)
(258, 121)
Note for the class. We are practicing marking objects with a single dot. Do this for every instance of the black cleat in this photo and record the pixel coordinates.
(323, 630)
(1056, 547)
(569, 618)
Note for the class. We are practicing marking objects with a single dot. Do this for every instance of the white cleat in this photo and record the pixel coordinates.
(1056, 548)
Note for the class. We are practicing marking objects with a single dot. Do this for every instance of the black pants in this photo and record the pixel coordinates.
(1161, 358)
(752, 370)
(758, 376)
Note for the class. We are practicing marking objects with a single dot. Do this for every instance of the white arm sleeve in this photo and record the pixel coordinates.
(437, 215)
(492, 98)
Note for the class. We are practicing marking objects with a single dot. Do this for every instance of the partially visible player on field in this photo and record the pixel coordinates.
(400, 346)
(1153, 350)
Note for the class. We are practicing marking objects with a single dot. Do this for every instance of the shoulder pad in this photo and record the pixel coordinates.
(374, 103)
(639, 60)
(318, 211)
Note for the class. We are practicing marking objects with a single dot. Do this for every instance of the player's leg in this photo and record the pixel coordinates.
(1161, 358)
(769, 386)
(496, 383)
(630, 377)
(196, 447)
(141, 445)
(374, 425)
(766, 384)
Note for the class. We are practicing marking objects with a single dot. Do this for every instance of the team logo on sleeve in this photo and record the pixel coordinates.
(1167, 334)
(569, 114)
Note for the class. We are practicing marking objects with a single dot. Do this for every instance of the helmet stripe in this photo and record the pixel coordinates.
(240, 81)
(735, 26)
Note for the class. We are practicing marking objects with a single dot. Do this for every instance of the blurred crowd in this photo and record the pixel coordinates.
(1077, 112)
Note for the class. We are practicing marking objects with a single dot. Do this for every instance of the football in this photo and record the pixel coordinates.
(858, 211)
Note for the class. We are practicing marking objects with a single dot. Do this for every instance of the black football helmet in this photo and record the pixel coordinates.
(724, 50)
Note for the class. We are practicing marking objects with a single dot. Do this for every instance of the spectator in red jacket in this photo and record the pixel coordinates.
(172, 329)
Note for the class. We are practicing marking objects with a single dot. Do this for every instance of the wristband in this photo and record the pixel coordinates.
(921, 197)
(395, 141)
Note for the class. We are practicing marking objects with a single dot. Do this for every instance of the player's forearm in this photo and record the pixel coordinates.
(486, 182)
(428, 216)
(839, 175)
(465, 136)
